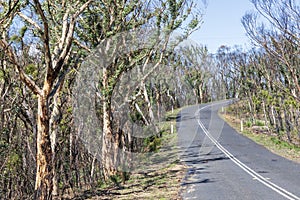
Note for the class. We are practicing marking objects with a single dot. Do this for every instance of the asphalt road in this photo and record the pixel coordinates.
(226, 165)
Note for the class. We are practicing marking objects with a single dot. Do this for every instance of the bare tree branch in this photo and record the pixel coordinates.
(9, 12)
(30, 21)
(69, 38)
(82, 46)
(49, 76)
(23, 76)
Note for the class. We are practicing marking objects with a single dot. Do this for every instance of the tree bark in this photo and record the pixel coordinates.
(200, 93)
(109, 144)
(54, 120)
(43, 183)
(109, 140)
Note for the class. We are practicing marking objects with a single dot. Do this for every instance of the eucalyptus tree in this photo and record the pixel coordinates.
(279, 36)
(198, 69)
(17, 151)
(162, 16)
(276, 67)
(59, 34)
(52, 25)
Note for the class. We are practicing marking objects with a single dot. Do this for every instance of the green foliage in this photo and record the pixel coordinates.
(152, 143)
(259, 123)
(22, 31)
(248, 123)
(290, 101)
(32, 70)
(1, 75)
(14, 38)
(13, 162)
(116, 179)
(283, 144)
(194, 23)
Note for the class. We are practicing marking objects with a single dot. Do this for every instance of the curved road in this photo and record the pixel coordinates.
(226, 165)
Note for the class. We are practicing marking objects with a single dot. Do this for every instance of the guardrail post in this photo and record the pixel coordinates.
(242, 127)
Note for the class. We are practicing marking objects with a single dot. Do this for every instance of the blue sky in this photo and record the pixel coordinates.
(222, 24)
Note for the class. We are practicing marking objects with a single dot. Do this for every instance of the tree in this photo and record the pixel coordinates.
(198, 71)
(55, 49)
(59, 34)
(164, 17)
(281, 40)
(275, 68)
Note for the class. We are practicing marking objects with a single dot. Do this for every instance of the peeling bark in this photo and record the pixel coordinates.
(109, 144)
(43, 182)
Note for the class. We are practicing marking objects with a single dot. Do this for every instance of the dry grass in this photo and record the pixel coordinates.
(159, 184)
(158, 178)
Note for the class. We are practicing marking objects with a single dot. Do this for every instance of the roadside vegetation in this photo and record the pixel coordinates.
(266, 78)
(45, 46)
(159, 180)
(259, 132)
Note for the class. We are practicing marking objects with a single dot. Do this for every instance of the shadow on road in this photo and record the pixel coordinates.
(199, 164)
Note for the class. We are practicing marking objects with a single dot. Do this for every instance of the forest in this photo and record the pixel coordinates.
(84, 84)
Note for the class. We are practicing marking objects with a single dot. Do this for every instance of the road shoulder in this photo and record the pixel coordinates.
(259, 136)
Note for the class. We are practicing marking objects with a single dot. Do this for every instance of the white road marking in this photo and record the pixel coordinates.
(243, 166)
